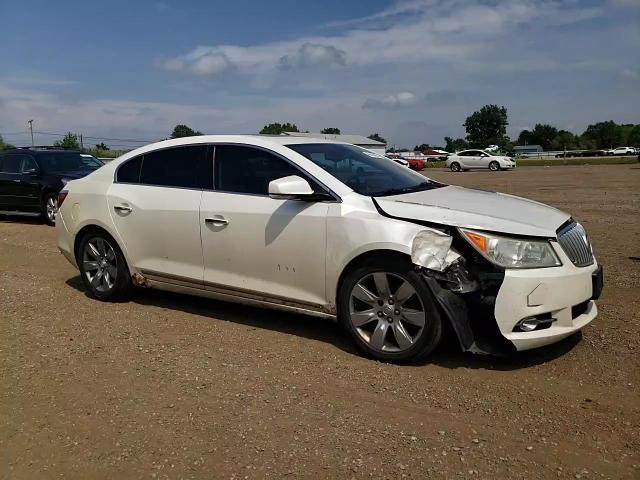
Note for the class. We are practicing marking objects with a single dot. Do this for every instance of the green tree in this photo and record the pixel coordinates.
(422, 147)
(565, 140)
(278, 128)
(69, 141)
(330, 131)
(455, 145)
(102, 146)
(184, 131)
(5, 146)
(377, 138)
(542, 134)
(633, 139)
(604, 134)
(487, 126)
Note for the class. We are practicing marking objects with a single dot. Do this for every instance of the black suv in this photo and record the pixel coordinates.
(30, 179)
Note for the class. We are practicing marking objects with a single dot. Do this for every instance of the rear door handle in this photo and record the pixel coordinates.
(123, 208)
(217, 221)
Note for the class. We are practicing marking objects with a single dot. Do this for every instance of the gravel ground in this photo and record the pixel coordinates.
(169, 386)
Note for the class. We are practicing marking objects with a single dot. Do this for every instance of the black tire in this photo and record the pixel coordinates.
(455, 167)
(424, 341)
(48, 199)
(494, 166)
(122, 287)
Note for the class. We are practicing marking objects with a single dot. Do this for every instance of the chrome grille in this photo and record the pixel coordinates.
(573, 240)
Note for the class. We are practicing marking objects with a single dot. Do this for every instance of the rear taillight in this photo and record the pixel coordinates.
(61, 196)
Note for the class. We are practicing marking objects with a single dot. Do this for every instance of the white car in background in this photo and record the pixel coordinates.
(479, 159)
(324, 228)
(622, 151)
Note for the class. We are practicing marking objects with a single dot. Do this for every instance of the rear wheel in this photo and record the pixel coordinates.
(49, 208)
(494, 166)
(389, 312)
(455, 167)
(103, 268)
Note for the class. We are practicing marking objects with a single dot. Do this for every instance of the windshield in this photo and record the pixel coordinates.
(68, 162)
(364, 171)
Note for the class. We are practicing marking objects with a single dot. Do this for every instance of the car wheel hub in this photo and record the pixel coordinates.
(386, 312)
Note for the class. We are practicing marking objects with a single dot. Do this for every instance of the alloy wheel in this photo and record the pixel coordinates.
(494, 166)
(100, 264)
(386, 312)
(51, 208)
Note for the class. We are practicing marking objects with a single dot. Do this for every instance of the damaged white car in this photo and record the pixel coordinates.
(329, 229)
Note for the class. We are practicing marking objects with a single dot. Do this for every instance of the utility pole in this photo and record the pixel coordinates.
(30, 122)
(81, 144)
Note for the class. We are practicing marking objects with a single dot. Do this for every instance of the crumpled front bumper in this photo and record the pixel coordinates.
(485, 318)
(565, 294)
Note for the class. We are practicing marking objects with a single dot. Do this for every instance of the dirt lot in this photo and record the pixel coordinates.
(168, 386)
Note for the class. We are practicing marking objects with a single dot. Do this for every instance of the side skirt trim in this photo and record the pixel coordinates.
(213, 290)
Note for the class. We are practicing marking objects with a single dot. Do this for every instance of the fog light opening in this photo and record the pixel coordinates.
(530, 324)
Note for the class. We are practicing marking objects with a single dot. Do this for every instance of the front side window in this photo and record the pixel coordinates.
(366, 172)
(29, 165)
(171, 167)
(241, 169)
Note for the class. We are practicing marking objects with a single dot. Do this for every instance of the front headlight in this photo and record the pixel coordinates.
(510, 252)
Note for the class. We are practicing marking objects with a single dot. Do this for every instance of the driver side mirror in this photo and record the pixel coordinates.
(33, 172)
(292, 187)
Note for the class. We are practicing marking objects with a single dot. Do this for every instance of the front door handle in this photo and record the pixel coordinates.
(123, 208)
(217, 221)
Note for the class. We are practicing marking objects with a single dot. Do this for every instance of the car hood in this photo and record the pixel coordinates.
(477, 209)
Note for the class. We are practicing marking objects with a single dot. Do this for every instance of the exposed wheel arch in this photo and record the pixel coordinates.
(90, 229)
(367, 257)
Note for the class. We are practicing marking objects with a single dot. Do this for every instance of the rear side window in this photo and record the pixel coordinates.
(129, 172)
(11, 164)
(241, 169)
(173, 167)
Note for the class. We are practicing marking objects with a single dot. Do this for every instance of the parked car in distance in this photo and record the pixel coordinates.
(622, 151)
(417, 164)
(30, 178)
(492, 148)
(321, 228)
(479, 159)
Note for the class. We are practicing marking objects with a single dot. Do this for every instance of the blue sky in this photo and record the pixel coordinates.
(411, 70)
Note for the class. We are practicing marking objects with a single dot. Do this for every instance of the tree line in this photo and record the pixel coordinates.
(488, 126)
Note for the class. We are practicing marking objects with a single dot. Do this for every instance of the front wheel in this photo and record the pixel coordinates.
(455, 167)
(103, 268)
(494, 166)
(389, 312)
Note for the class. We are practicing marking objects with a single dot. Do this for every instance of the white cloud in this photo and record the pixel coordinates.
(434, 30)
(399, 100)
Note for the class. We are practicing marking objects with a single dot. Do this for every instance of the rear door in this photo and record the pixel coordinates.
(18, 191)
(154, 204)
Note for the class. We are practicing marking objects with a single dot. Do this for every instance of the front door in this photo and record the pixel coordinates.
(256, 245)
(155, 205)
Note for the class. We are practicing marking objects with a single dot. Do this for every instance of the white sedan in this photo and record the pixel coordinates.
(622, 151)
(479, 159)
(323, 228)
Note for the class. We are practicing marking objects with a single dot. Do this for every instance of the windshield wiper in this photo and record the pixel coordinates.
(426, 185)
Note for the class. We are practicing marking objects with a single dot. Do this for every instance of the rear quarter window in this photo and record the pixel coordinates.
(129, 171)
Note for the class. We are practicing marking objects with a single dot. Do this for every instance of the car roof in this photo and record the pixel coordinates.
(37, 150)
